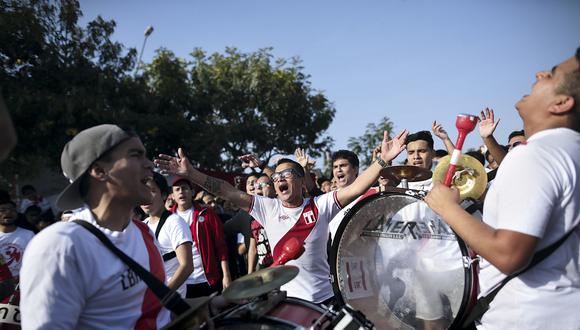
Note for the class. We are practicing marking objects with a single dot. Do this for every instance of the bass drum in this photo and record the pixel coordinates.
(403, 267)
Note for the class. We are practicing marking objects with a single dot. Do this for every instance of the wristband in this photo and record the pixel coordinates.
(381, 162)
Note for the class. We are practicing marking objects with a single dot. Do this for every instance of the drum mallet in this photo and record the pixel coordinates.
(292, 249)
(465, 124)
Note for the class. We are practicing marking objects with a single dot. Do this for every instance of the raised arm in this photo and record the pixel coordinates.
(389, 150)
(181, 166)
(487, 126)
(441, 133)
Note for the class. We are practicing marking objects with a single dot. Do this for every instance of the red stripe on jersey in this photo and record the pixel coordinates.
(300, 230)
(151, 304)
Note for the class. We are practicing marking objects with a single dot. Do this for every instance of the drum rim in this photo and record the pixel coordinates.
(273, 320)
(469, 272)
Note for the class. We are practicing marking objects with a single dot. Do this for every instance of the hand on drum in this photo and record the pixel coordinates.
(442, 198)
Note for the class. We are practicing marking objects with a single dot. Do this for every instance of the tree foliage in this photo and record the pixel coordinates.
(59, 78)
(363, 145)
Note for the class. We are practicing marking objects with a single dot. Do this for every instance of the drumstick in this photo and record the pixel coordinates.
(465, 124)
(291, 250)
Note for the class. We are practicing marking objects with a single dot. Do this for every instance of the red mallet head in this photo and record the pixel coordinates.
(292, 249)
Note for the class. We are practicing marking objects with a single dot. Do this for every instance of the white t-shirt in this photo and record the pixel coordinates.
(12, 247)
(537, 192)
(198, 274)
(313, 281)
(70, 280)
(173, 233)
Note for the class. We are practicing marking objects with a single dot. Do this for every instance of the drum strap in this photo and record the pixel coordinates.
(169, 298)
(482, 304)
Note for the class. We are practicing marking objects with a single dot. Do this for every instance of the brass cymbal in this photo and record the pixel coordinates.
(411, 173)
(260, 282)
(470, 177)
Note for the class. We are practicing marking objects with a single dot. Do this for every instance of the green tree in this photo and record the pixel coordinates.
(237, 103)
(363, 145)
(59, 78)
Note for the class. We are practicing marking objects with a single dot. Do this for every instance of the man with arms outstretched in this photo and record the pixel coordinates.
(292, 215)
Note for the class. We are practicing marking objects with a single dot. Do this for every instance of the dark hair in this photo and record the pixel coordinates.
(177, 182)
(441, 153)
(264, 175)
(26, 188)
(571, 84)
(348, 155)
(477, 155)
(33, 208)
(294, 164)
(4, 197)
(161, 183)
(421, 135)
(516, 133)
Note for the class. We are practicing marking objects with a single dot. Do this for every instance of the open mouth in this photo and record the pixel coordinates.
(283, 187)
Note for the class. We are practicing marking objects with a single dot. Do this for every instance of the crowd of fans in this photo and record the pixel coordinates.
(197, 233)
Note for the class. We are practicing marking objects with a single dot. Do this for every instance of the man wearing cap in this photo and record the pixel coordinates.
(290, 215)
(69, 279)
(211, 272)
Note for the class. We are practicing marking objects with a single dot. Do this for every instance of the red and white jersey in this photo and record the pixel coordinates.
(70, 280)
(308, 222)
(12, 247)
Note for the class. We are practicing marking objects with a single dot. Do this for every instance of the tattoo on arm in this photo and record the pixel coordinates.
(213, 185)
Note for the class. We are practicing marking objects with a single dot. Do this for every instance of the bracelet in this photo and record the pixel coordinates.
(381, 162)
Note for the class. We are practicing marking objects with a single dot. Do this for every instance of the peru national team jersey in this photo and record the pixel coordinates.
(313, 280)
(12, 247)
(70, 280)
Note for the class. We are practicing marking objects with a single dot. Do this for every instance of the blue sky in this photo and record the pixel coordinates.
(414, 61)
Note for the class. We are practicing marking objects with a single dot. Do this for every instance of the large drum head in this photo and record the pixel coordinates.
(397, 262)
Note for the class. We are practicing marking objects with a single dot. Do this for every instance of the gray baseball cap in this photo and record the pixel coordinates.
(80, 153)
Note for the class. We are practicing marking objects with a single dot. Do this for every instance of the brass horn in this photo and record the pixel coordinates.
(470, 177)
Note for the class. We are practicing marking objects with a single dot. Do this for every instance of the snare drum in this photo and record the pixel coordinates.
(402, 266)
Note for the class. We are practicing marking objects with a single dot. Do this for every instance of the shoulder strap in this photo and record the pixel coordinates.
(164, 217)
(482, 304)
(169, 298)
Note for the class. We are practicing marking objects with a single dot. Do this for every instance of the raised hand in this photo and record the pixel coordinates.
(250, 160)
(487, 123)
(179, 165)
(303, 159)
(391, 149)
(439, 131)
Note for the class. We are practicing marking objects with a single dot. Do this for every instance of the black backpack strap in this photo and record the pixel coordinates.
(491, 175)
(164, 217)
(482, 304)
(169, 298)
